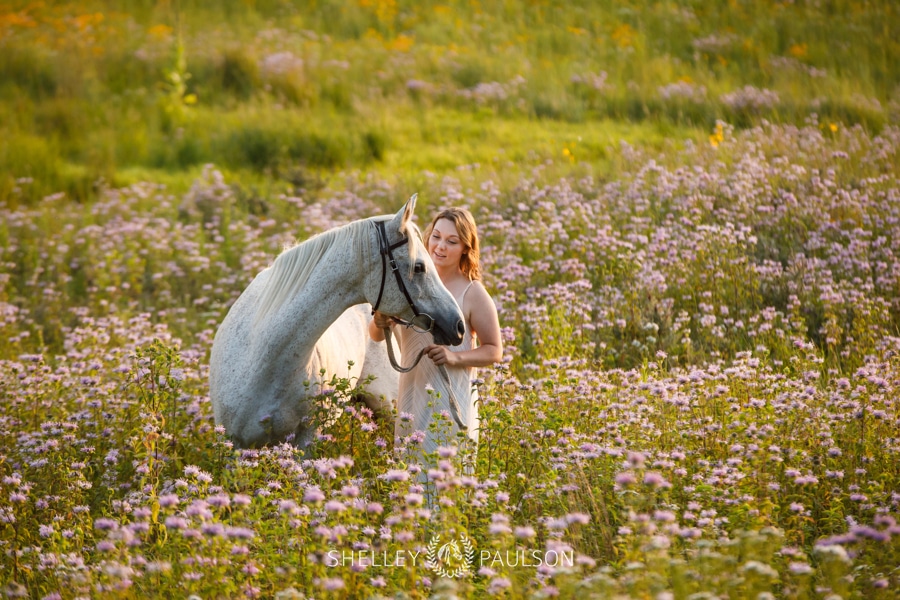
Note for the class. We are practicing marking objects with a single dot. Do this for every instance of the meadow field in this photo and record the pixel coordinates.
(690, 218)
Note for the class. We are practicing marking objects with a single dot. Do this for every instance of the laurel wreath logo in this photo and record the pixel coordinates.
(438, 555)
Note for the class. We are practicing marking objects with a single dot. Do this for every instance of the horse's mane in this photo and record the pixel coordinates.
(291, 269)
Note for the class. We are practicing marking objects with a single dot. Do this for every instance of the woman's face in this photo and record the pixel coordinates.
(445, 246)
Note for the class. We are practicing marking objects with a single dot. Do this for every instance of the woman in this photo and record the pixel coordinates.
(452, 242)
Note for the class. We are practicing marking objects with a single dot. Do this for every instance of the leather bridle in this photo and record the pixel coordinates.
(386, 249)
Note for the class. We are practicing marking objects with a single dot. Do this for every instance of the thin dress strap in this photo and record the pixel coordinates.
(462, 298)
(462, 302)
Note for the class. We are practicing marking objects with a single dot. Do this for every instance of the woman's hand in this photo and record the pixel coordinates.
(381, 320)
(378, 324)
(441, 355)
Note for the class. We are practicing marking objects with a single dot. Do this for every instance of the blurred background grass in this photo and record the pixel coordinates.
(282, 94)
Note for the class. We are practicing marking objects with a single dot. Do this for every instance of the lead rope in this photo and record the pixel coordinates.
(454, 406)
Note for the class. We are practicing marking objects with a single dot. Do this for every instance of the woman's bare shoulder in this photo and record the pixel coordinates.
(480, 294)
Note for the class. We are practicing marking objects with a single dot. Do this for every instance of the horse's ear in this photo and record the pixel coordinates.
(406, 213)
(410, 208)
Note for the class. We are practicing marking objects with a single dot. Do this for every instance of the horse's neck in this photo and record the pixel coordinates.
(291, 332)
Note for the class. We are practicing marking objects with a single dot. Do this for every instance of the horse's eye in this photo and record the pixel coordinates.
(419, 268)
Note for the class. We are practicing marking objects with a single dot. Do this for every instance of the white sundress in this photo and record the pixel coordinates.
(414, 398)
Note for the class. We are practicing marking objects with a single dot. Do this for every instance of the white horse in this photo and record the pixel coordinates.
(301, 316)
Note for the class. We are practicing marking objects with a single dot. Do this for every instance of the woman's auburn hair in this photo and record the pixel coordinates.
(462, 219)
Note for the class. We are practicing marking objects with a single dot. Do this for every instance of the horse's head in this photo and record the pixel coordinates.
(414, 292)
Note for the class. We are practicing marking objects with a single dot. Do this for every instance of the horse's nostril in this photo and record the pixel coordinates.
(460, 328)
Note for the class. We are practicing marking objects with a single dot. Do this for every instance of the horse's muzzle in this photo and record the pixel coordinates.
(444, 338)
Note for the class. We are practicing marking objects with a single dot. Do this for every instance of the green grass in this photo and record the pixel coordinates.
(266, 87)
(441, 142)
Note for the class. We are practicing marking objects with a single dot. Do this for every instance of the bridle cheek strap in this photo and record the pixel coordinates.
(387, 256)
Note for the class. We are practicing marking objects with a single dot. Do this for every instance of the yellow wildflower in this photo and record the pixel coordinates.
(717, 137)
(624, 35)
(17, 19)
(798, 50)
(82, 22)
(402, 43)
(160, 31)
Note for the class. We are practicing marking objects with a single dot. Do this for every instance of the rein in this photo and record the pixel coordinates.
(454, 406)
(386, 250)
